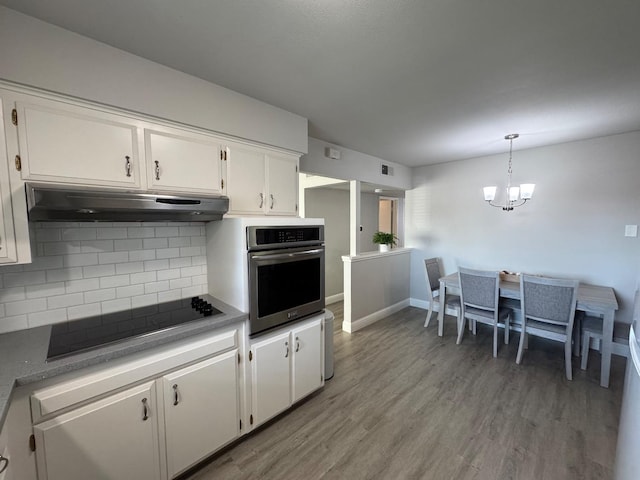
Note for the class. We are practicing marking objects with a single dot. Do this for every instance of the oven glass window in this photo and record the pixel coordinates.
(284, 286)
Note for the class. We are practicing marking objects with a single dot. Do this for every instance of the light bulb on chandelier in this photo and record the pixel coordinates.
(515, 196)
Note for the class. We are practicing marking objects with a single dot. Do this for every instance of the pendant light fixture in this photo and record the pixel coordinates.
(515, 196)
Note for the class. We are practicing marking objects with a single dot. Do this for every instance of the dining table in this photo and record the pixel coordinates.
(594, 300)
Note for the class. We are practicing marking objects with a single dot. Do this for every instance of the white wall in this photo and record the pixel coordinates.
(353, 166)
(39, 54)
(586, 192)
(87, 269)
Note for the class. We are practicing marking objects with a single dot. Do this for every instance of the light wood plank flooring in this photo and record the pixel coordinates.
(407, 404)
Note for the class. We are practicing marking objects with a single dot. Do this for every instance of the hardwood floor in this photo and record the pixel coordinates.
(407, 404)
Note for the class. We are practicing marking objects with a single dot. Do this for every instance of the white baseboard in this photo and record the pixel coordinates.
(423, 304)
(338, 297)
(374, 317)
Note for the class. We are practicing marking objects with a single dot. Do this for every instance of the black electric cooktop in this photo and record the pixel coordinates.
(92, 332)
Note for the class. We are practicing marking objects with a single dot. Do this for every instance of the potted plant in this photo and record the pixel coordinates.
(385, 240)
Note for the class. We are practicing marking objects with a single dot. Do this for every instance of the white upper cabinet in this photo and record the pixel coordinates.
(65, 143)
(179, 161)
(261, 182)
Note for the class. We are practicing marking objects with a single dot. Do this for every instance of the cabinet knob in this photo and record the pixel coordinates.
(297, 344)
(127, 165)
(157, 169)
(286, 344)
(4, 463)
(145, 410)
(261, 200)
(271, 195)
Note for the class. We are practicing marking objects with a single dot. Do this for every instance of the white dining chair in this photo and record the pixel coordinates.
(592, 328)
(480, 302)
(452, 302)
(548, 311)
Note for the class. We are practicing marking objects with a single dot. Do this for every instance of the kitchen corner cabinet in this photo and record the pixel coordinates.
(178, 161)
(64, 143)
(261, 182)
(201, 410)
(285, 367)
(116, 436)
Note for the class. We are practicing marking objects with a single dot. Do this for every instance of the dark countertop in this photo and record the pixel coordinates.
(23, 353)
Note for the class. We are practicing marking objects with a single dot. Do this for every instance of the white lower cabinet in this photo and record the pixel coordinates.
(115, 438)
(201, 410)
(286, 367)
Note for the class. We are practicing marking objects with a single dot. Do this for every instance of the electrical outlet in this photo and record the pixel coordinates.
(385, 169)
(631, 230)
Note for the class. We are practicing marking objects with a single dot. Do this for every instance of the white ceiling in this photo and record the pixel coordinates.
(410, 81)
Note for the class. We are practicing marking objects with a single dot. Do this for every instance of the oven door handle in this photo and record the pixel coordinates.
(287, 255)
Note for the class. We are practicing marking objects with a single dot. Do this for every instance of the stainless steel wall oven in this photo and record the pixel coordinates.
(286, 274)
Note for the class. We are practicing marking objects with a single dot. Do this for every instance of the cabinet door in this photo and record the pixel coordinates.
(115, 438)
(282, 184)
(65, 143)
(201, 410)
(8, 253)
(183, 162)
(307, 365)
(246, 175)
(270, 371)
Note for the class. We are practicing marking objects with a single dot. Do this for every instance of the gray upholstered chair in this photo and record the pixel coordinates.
(592, 328)
(479, 298)
(451, 303)
(548, 311)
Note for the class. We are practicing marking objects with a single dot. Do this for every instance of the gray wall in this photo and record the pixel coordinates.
(333, 205)
(586, 192)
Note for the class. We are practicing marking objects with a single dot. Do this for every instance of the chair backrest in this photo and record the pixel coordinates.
(550, 300)
(479, 288)
(433, 273)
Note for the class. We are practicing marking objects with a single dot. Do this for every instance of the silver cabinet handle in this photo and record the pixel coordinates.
(286, 344)
(157, 170)
(175, 394)
(261, 200)
(145, 410)
(4, 463)
(297, 344)
(127, 166)
(271, 195)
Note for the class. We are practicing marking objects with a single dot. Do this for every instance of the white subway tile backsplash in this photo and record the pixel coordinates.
(142, 255)
(83, 311)
(111, 233)
(130, 267)
(99, 295)
(148, 243)
(156, 264)
(69, 234)
(144, 277)
(25, 306)
(98, 271)
(85, 269)
(84, 285)
(127, 244)
(80, 259)
(45, 290)
(64, 274)
(67, 300)
(130, 291)
(113, 257)
(114, 281)
(96, 246)
(24, 278)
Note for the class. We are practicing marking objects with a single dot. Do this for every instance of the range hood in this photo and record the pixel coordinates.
(66, 203)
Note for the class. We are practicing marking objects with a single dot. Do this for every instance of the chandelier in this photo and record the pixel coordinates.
(515, 196)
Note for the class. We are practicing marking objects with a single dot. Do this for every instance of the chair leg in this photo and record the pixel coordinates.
(577, 329)
(495, 340)
(460, 329)
(429, 312)
(507, 327)
(523, 335)
(441, 324)
(567, 357)
(585, 351)
(474, 326)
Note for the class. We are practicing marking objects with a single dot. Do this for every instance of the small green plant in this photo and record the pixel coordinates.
(384, 238)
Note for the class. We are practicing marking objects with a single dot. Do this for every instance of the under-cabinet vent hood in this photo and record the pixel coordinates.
(65, 203)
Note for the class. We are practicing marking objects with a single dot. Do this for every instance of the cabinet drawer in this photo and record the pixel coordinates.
(51, 400)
